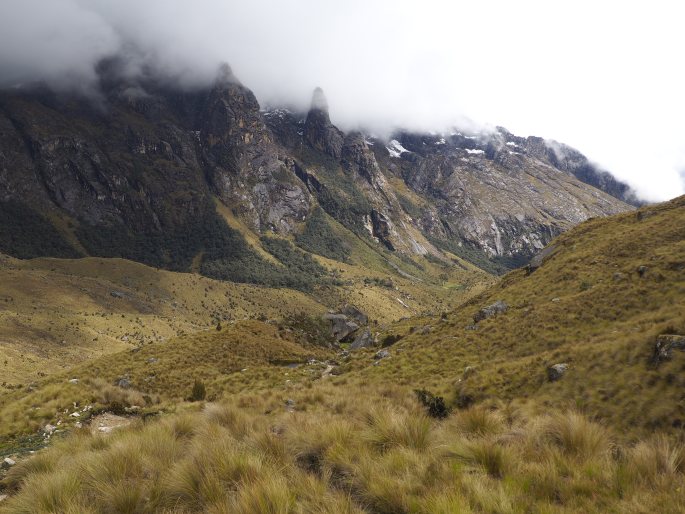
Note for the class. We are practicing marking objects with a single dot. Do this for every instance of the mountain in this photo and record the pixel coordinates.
(163, 176)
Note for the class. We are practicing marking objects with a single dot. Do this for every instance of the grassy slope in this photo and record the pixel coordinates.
(358, 442)
(55, 313)
(586, 306)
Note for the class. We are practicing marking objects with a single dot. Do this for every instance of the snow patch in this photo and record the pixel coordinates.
(474, 152)
(280, 113)
(395, 148)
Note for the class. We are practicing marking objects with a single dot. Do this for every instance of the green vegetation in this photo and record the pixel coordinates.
(225, 253)
(24, 233)
(172, 249)
(337, 193)
(199, 391)
(319, 237)
(498, 265)
(298, 270)
(408, 206)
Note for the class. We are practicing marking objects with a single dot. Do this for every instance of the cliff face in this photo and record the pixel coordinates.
(491, 195)
(138, 173)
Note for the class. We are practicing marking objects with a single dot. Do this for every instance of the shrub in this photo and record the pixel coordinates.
(435, 405)
(26, 234)
(199, 391)
(319, 238)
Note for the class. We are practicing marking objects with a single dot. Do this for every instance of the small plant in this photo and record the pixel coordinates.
(199, 391)
(435, 405)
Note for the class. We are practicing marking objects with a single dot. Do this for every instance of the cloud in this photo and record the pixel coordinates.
(598, 78)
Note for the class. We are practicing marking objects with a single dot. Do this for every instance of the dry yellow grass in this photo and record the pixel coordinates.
(606, 437)
(378, 454)
(55, 313)
(587, 306)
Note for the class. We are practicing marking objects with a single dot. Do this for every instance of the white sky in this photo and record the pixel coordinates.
(604, 77)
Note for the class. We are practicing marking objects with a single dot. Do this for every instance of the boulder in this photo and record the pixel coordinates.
(381, 354)
(664, 346)
(49, 429)
(491, 310)
(123, 382)
(556, 371)
(73, 380)
(341, 326)
(116, 294)
(355, 314)
(364, 339)
(7, 463)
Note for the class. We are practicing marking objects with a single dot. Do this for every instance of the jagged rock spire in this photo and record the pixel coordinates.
(319, 132)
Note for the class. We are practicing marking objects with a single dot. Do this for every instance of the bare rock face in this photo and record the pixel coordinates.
(493, 194)
(243, 161)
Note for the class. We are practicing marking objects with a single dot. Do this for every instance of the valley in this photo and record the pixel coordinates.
(563, 369)
(210, 305)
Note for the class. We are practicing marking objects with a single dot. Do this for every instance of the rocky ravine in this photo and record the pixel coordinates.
(136, 175)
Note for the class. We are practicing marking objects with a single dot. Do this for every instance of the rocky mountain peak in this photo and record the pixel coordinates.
(319, 132)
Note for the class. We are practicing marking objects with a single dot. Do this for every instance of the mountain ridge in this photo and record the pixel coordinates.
(137, 179)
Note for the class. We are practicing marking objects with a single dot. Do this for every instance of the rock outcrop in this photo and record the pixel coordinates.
(664, 346)
(496, 308)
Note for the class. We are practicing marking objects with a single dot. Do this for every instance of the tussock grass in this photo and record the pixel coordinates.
(604, 438)
(387, 429)
(379, 455)
(577, 436)
(605, 331)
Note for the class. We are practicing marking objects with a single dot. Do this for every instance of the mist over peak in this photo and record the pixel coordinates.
(388, 65)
